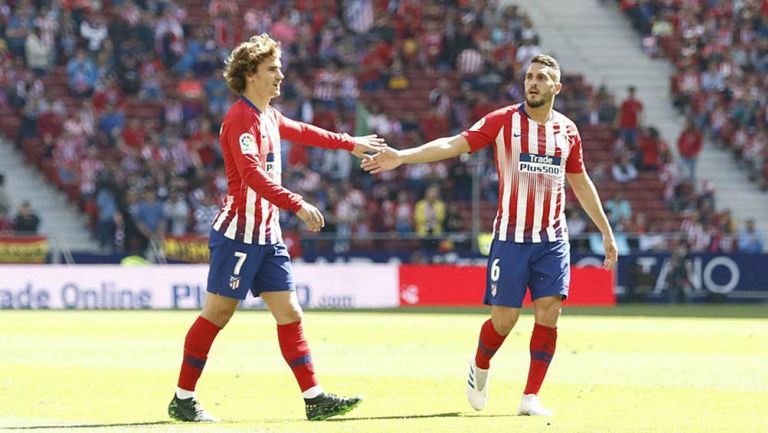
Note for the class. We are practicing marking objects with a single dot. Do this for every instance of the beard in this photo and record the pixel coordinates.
(536, 103)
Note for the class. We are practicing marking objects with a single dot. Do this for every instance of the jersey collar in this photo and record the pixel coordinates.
(249, 103)
(522, 110)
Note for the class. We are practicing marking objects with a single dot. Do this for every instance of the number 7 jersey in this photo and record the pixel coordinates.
(250, 144)
(531, 160)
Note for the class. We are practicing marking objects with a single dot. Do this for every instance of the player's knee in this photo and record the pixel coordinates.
(503, 325)
(218, 316)
(292, 315)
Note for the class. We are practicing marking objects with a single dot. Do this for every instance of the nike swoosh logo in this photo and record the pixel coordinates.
(516, 135)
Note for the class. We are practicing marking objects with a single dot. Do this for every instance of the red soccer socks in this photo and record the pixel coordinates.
(543, 342)
(296, 353)
(487, 345)
(196, 346)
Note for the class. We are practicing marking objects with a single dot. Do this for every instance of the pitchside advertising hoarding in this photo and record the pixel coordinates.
(732, 277)
(112, 287)
(738, 277)
(183, 286)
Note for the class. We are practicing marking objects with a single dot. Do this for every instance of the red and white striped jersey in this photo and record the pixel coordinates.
(531, 159)
(250, 143)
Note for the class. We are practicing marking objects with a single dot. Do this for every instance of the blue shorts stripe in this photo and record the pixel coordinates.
(194, 362)
(298, 362)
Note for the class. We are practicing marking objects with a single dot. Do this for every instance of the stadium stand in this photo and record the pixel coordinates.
(131, 97)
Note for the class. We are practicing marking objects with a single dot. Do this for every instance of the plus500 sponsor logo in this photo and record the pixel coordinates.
(541, 164)
(192, 296)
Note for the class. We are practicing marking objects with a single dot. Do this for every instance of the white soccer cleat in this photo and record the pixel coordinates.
(530, 405)
(477, 386)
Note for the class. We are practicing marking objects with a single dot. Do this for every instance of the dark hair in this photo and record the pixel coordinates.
(547, 60)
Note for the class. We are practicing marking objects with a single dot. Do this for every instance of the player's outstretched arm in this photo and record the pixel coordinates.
(587, 195)
(435, 150)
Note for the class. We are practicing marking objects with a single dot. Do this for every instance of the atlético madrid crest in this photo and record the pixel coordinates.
(493, 290)
(234, 282)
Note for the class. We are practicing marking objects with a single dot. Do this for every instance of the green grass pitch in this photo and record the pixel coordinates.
(630, 369)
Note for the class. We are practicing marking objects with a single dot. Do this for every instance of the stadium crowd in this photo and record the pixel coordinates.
(407, 70)
(720, 51)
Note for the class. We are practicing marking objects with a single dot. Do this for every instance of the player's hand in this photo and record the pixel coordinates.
(611, 252)
(311, 216)
(367, 143)
(387, 159)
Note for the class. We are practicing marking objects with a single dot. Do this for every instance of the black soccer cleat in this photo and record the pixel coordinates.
(325, 406)
(189, 410)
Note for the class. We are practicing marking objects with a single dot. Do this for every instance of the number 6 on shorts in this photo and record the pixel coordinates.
(495, 270)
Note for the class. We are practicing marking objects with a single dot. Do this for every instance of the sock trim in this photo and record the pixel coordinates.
(312, 392)
(184, 394)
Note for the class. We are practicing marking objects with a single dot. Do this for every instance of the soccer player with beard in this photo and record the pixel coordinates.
(247, 251)
(536, 150)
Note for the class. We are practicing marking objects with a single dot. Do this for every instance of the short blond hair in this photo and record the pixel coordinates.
(245, 59)
(547, 60)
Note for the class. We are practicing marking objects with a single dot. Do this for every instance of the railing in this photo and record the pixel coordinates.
(37, 249)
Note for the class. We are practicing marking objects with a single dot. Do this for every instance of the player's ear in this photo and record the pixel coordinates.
(558, 86)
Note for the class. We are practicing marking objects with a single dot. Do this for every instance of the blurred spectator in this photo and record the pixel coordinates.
(39, 53)
(525, 52)
(622, 169)
(190, 87)
(750, 240)
(5, 201)
(204, 215)
(94, 31)
(108, 216)
(6, 226)
(112, 121)
(150, 216)
(689, 146)
(429, 213)
(176, 211)
(630, 118)
(576, 221)
(82, 75)
(619, 207)
(650, 145)
(403, 213)
(26, 221)
(678, 276)
(18, 26)
(398, 80)
(698, 237)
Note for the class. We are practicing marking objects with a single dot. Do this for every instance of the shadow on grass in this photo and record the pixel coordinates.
(75, 426)
(740, 311)
(432, 415)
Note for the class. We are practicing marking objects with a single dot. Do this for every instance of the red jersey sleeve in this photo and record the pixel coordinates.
(244, 146)
(485, 130)
(311, 135)
(575, 161)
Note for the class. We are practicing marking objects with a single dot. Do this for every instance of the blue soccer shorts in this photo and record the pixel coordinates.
(237, 268)
(543, 267)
